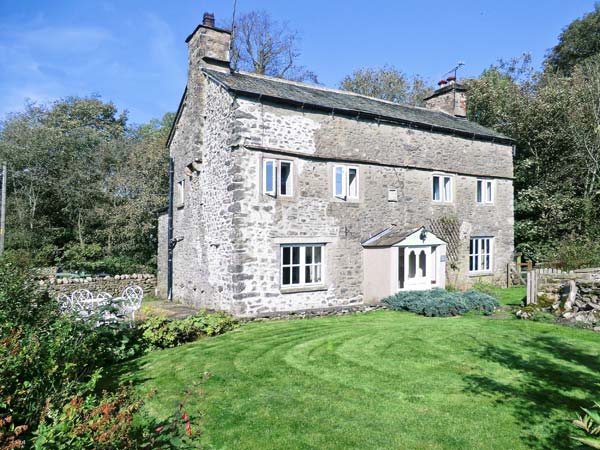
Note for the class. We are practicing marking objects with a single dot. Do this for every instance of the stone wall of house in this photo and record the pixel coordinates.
(113, 285)
(321, 134)
(229, 234)
(204, 255)
(314, 215)
(162, 256)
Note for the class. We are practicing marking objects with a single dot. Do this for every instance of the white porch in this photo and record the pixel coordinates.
(396, 260)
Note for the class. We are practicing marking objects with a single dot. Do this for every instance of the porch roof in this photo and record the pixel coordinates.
(394, 236)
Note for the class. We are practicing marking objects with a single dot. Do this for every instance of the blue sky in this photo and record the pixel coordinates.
(132, 52)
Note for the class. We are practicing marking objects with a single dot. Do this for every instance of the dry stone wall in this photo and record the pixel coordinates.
(113, 285)
(574, 296)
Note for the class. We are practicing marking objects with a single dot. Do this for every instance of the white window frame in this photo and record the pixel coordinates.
(446, 195)
(291, 178)
(181, 192)
(347, 193)
(477, 249)
(276, 177)
(302, 265)
(484, 183)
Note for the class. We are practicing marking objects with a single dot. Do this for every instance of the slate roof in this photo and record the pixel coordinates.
(389, 237)
(346, 103)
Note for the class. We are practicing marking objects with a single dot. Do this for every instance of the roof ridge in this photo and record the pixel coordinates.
(328, 89)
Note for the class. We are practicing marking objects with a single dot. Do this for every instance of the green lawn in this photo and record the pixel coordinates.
(514, 296)
(383, 380)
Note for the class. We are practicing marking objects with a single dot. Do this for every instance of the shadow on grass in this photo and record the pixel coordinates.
(544, 398)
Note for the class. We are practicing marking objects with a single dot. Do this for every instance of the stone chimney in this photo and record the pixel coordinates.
(450, 97)
(208, 46)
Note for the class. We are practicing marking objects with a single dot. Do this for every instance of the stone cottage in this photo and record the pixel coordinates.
(287, 196)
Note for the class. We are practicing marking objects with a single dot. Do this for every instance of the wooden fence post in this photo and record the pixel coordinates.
(532, 284)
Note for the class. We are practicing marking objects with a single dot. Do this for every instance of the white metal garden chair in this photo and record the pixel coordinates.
(131, 301)
(104, 297)
(82, 301)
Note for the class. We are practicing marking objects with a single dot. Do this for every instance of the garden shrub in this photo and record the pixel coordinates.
(47, 357)
(160, 332)
(442, 303)
(52, 361)
(90, 421)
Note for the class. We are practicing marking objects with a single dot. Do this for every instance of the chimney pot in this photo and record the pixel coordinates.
(208, 20)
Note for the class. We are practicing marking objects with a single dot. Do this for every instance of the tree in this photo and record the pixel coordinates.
(555, 120)
(60, 157)
(139, 189)
(387, 83)
(578, 41)
(267, 47)
(84, 187)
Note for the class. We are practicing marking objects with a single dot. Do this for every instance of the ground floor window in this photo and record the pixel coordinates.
(301, 264)
(480, 254)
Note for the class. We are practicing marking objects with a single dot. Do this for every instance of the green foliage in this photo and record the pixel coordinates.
(47, 357)
(387, 83)
(89, 258)
(578, 41)
(89, 421)
(83, 186)
(554, 120)
(576, 253)
(160, 332)
(442, 303)
(589, 425)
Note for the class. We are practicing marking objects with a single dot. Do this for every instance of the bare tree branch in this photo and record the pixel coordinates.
(267, 47)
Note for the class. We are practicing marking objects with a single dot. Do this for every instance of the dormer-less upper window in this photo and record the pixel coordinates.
(442, 188)
(485, 191)
(278, 177)
(345, 182)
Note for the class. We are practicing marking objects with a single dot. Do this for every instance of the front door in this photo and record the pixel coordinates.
(417, 267)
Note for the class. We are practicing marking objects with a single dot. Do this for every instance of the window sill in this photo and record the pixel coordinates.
(353, 201)
(481, 274)
(434, 202)
(279, 198)
(299, 289)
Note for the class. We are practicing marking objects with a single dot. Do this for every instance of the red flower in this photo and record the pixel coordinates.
(184, 417)
(159, 429)
(188, 429)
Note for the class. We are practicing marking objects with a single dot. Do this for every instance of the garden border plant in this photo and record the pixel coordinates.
(52, 363)
(442, 303)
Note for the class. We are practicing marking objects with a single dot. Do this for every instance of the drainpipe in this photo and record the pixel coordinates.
(170, 233)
